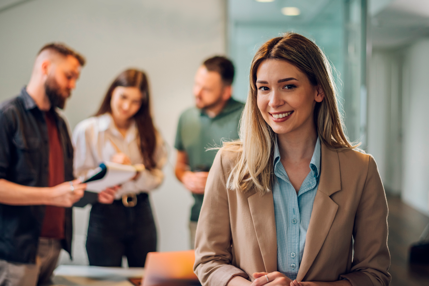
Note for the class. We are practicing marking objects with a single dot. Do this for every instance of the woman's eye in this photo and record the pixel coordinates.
(263, 88)
(289, 86)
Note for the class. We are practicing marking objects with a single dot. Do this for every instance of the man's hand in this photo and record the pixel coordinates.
(65, 194)
(274, 278)
(121, 158)
(195, 181)
(108, 195)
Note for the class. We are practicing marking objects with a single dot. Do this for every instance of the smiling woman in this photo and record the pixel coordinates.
(292, 202)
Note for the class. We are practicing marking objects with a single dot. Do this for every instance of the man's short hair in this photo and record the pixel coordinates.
(223, 66)
(63, 50)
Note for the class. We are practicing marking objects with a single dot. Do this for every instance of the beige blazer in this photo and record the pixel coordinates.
(346, 238)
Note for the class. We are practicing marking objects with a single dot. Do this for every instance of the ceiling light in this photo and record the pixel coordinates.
(265, 1)
(291, 11)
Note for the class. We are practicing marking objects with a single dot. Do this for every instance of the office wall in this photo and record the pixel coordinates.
(415, 186)
(169, 39)
(398, 133)
(385, 115)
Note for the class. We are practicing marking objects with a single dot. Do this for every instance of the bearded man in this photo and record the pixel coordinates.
(37, 187)
(214, 118)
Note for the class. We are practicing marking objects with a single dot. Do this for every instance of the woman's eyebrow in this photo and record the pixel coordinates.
(262, 81)
(279, 81)
(286, 79)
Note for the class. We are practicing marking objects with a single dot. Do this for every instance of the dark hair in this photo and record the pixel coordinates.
(223, 66)
(143, 118)
(63, 50)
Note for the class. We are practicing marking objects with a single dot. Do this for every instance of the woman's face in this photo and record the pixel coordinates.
(285, 97)
(125, 102)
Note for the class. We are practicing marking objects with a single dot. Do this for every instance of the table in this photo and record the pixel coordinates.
(74, 275)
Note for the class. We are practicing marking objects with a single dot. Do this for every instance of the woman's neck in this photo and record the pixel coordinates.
(297, 147)
(122, 125)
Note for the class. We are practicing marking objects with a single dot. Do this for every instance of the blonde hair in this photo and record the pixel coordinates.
(254, 168)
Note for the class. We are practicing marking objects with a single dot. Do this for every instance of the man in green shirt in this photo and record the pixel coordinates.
(214, 119)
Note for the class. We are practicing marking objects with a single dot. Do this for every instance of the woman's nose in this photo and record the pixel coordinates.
(125, 105)
(275, 99)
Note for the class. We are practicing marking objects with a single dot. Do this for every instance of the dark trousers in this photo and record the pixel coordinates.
(115, 231)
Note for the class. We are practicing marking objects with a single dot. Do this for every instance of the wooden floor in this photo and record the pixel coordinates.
(405, 227)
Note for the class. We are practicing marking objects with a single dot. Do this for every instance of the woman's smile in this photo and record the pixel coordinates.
(281, 116)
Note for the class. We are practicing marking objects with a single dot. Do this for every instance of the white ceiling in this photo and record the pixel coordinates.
(258, 12)
(417, 7)
(399, 22)
(393, 23)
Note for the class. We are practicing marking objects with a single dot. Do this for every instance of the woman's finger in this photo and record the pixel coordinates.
(110, 191)
(105, 198)
(259, 274)
(262, 280)
(272, 278)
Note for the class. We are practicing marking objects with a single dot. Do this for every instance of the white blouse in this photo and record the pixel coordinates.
(92, 141)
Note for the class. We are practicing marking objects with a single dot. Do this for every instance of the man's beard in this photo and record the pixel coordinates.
(53, 92)
(208, 106)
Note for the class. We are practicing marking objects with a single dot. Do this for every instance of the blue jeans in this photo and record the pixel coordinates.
(115, 231)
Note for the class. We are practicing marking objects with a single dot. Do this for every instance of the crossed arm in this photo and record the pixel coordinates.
(193, 181)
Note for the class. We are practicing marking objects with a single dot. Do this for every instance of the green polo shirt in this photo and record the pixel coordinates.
(196, 132)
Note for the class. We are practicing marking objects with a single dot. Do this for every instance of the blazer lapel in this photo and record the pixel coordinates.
(324, 209)
(262, 212)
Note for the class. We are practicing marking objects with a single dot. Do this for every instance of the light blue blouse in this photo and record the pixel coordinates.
(292, 212)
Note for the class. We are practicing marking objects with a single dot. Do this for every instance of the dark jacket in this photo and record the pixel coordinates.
(24, 160)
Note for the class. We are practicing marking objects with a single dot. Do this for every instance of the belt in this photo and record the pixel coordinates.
(130, 200)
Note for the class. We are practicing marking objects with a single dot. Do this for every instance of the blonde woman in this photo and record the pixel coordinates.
(292, 202)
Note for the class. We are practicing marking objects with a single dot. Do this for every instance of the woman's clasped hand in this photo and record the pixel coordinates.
(276, 278)
(273, 278)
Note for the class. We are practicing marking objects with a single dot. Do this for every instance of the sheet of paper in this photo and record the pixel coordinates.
(116, 175)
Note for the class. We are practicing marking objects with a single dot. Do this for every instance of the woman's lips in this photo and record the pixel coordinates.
(280, 117)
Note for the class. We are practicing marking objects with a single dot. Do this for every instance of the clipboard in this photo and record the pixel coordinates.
(106, 175)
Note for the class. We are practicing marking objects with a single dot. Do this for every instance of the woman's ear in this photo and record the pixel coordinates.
(320, 94)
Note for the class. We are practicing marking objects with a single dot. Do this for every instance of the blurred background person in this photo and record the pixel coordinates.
(214, 118)
(123, 132)
(37, 188)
